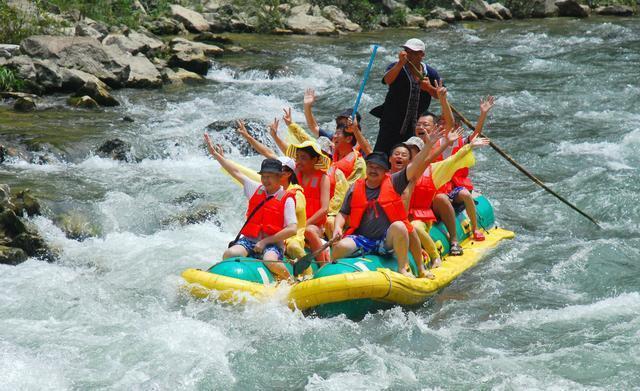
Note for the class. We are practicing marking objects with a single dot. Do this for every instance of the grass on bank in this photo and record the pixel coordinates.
(9, 81)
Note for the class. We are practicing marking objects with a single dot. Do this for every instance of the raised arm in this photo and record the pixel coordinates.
(309, 100)
(274, 132)
(353, 127)
(485, 107)
(218, 154)
(425, 156)
(257, 145)
(442, 172)
(441, 93)
(393, 73)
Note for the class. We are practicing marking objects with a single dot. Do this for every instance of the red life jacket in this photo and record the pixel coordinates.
(346, 164)
(421, 199)
(269, 219)
(312, 193)
(390, 202)
(461, 177)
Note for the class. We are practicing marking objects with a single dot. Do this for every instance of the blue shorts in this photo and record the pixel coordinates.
(250, 244)
(457, 206)
(366, 246)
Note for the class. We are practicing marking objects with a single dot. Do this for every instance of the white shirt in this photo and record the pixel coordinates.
(250, 188)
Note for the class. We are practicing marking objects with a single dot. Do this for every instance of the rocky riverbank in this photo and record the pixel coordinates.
(89, 58)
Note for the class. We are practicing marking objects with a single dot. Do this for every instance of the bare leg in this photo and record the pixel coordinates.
(444, 211)
(422, 230)
(235, 251)
(416, 252)
(313, 236)
(277, 268)
(344, 248)
(465, 197)
(398, 239)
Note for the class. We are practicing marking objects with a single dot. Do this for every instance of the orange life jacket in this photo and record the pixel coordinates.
(421, 199)
(269, 219)
(390, 202)
(461, 177)
(346, 165)
(312, 193)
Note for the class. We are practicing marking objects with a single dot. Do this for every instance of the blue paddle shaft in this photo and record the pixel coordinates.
(364, 81)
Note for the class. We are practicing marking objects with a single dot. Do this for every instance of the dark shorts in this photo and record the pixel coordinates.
(366, 246)
(250, 244)
(457, 206)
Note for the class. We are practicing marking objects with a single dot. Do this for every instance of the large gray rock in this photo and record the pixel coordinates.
(24, 105)
(391, 6)
(84, 30)
(24, 202)
(115, 149)
(572, 8)
(84, 53)
(339, 19)
(99, 92)
(184, 45)
(442, 14)
(142, 73)
(466, 16)
(210, 37)
(165, 26)
(309, 24)
(180, 76)
(302, 9)
(192, 60)
(134, 43)
(544, 9)
(8, 51)
(413, 20)
(482, 9)
(615, 10)
(436, 24)
(501, 10)
(82, 102)
(192, 20)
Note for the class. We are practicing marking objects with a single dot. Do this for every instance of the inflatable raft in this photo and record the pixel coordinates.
(351, 286)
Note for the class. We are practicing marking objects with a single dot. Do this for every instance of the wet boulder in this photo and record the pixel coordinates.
(436, 24)
(188, 197)
(24, 104)
(115, 149)
(82, 102)
(12, 256)
(180, 76)
(192, 60)
(201, 214)
(572, 8)
(10, 224)
(413, 20)
(98, 91)
(544, 9)
(615, 10)
(77, 226)
(501, 10)
(142, 73)
(24, 202)
(227, 134)
(210, 37)
(192, 20)
(184, 45)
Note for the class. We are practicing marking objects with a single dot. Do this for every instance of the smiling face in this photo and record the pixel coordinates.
(342, 139)
(375, 174)
(399, 159)
(304, 161)
(271, 181)
(426, 125)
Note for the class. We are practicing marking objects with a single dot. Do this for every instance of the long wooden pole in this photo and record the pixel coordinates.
(524, 170)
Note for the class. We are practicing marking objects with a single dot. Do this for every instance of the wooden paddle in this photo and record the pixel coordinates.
(301, 264)
(523, 170)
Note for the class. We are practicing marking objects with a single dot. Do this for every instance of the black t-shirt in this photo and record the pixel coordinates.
(371, 226)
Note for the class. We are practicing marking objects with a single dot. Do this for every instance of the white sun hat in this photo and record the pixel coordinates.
(414, 44)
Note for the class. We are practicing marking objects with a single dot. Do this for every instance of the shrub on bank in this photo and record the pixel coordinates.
(9, 81)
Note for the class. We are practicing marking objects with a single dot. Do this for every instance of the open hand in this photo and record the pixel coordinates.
(207, 140)
(480, 142)
(438, 133)
(242, 129)
(273, 128)
(454, 135)
(441, 90)
(486, 104)
(309, 97)
(287, 117)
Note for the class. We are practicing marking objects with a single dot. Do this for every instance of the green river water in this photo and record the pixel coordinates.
(556, 308)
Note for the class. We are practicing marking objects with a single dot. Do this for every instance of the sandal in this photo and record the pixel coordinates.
(478, 235)
(455, 250)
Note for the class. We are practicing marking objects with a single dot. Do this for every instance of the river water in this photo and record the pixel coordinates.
(558, 307)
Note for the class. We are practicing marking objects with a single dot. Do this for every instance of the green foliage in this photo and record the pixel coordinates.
(17, 25)
(9, 81)
(398, 18)
(364, 12)
(112, 12)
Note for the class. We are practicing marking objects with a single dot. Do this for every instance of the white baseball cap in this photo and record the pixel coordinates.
(416, 142)
(414, 44)
(287, 161)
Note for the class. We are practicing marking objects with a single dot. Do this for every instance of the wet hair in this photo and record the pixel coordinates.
(293, 178)
(399, 145)
(309, 150)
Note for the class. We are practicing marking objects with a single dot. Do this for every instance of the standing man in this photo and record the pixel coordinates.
(411, 86)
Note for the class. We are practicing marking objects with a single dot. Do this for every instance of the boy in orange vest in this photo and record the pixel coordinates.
(271, 214)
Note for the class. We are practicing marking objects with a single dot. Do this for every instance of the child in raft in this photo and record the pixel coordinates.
(271, 214)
